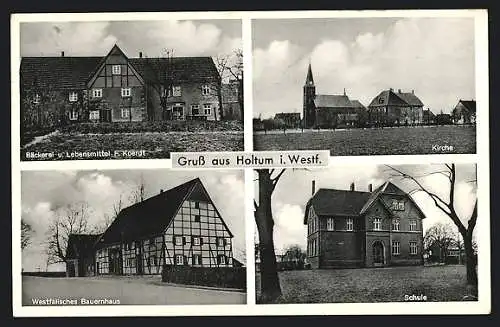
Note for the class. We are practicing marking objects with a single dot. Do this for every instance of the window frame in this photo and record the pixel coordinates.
(396, 222)
(126, 111)
(207, 106)
(377, 223)
(397, 245)
(116, 69)
(413, 245)
(194, 241)
(37, 98)
(73, 115)
(73, 96)
(195, 107)
(413, 225)
(205, 89)
(179, 262)
(221, 259)
(330, 224)
(350, 224)
(97, 93)
(219, 239)
(176, 91)
(126, 92)
(178, 237)
(94, 114)
(194, 262)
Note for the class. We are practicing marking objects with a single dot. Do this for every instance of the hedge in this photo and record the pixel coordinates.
(228, 277)
(159, 126)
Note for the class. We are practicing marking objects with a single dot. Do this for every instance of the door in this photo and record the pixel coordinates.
(114, 261)
(71, 269)
(106, 116)
(378, 253)
(178, 112)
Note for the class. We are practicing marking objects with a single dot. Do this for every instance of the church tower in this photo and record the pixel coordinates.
(308, 114)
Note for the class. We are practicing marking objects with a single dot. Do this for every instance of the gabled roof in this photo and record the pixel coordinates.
(387, 97)
(410, 98)
(469, 104)
(332, 101)
(428, 114)
(332, 202)
(74, 72)
(57, 72)
(148, 217)
(80, 245)
(151, 216)
(357, 104)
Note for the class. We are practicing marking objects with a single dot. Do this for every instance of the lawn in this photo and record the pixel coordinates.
(386, 141)
(154, 144)
(437, 283)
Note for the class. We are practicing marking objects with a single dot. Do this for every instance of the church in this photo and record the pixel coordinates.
(330, 111)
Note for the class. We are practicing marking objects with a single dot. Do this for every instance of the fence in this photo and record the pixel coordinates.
(228, 277)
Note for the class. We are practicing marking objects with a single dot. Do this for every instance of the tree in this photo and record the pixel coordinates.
(72, 219)
(26, 233)
(270, 285)
(441, 236)
(296, 255)
(447, 206)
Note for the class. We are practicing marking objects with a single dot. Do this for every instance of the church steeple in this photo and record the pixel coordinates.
(309, 78)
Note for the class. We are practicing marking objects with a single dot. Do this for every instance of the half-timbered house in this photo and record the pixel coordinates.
(116, 88)
(180, 226)
(349, 228)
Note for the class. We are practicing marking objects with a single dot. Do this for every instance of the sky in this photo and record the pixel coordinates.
(295, 186)
(45, 193)
(186, 38)
(432, 56)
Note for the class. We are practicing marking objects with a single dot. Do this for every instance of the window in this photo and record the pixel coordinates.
(179, 259)
(116, 69)
(152, 241)
(178, 240)
(395, 224)
(94, 115)
(125, 112)
(196, 240)
(97, 93)
(221, 259)
(73, 115)
(197, 205)
(176, 91)
(221, 241)
(350, 224)
(413, 225)
(205, 89)
(401, 206)
(36, 99)
(196, 218)
(152, 260)
(395, 248)
(330, 224)
(207, 108)
(196, 260)
(73, 96)
(380, 100)
(377, 223)
(398, 205)
(195, 109)
(126, 92)
(413, 247)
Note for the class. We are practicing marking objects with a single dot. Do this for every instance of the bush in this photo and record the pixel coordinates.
(230, 277)
(158, 126)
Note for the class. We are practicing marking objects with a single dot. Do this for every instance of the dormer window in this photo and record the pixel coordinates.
(116, 69)
(398, 205)
(73, 97)
(97, 93)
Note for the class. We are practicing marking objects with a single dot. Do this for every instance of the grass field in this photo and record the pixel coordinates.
(155, 145)
(437, 283)
(402, 140)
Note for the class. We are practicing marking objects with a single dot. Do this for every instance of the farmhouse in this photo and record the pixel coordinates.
(329, 110)
(116, 88)
(396, 108)
(180, 226)
(464, 112)
(349, 228)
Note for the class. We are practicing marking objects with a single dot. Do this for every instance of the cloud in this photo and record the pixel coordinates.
(434, 57)
(289, 227)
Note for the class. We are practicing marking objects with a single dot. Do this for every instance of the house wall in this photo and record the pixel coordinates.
(383, 235)
(208, 229)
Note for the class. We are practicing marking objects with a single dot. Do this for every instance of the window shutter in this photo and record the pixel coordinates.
(183, 240)
(173, 239)
(185, 259)
(201, 240)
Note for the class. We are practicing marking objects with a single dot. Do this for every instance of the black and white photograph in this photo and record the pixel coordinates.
(367, 233)
(365, 86)
(130, 89)
(119, 237)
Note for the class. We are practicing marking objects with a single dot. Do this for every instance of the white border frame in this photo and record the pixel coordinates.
(482, 306)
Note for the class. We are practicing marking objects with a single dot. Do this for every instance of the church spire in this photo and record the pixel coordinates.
(309, 78)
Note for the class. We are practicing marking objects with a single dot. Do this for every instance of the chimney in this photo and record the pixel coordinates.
(344, 90)
(62, 53)
(352, 186)
(399, 91)
(370, 188)
(391, 89)
(313, 187)
(161, 191)
(412, 91)
(140, 54)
